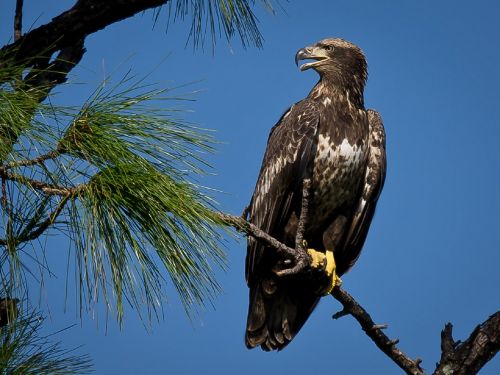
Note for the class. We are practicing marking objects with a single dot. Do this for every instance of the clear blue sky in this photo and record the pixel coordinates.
(433, 252)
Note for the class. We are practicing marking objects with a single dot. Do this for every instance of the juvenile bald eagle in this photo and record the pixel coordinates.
(332, 140)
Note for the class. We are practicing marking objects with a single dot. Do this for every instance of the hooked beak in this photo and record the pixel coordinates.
(311, 52)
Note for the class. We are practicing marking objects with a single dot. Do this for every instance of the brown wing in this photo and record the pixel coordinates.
(287, 160)
(279, 307)
(374, 182)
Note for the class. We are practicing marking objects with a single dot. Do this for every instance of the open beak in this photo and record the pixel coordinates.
(310, 53)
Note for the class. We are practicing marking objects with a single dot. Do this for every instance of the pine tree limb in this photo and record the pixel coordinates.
(67, 29)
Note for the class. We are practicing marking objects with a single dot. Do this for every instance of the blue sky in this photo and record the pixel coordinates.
(432, 254)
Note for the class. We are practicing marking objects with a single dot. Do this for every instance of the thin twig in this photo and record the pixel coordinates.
(467, 357)
(47, 222)
(244, 226)
(8, 210)
(49, 189)
(304, 215)
(30, 162)
(5, 202)
(43, 226)
(18, 20)
(300, 256)
(388, 346)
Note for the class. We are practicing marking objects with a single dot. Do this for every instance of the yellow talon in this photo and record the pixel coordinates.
(326, 260)
(317, 258)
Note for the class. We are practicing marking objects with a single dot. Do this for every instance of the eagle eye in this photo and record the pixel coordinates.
(329, 48)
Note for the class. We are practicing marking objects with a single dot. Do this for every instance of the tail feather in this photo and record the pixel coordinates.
(275, 318)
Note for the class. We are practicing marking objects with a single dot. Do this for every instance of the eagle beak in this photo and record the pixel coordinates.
(313, 53)
(302, 54)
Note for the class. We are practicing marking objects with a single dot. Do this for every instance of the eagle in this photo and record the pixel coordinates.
(331, 140)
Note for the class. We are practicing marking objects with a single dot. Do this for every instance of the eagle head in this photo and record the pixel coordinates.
(334, 58)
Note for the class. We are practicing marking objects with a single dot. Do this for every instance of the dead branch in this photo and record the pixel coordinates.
(374, 332)
(468, 357)
(18, 20)
(465, 358)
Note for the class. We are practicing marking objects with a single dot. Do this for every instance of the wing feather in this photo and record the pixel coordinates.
(287, 160)
(373, 184)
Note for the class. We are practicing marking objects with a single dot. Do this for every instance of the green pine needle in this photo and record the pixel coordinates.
(134, 215)
(225, 18)
(23, 351)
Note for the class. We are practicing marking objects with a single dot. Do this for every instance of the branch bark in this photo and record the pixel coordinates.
(374, 332)
(18, 20)
(84, 18)
(468, 357)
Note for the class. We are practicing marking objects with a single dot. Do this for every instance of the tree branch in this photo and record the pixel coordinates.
(304, 214)
(18, 20)
(248, 228)
(470, 356)
(49, 189)
(34, 234)
(46, 75)
(374, 332)
(84, 18)
(66, 33)
(30, 162)
(464, 359)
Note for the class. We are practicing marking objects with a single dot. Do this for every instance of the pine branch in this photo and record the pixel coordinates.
(24, 350)
(49, 189)
(30, 162)
(67, 29)
(44, 225)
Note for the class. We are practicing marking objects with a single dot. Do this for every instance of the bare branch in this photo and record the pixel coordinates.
(301, 257)
(18, 20)
(244, 226)
(388, 346)
(350, 306)
(468, 357)
(304, 214)
(465, 358)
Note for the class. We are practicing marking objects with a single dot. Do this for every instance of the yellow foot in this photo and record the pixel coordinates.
(325, 261)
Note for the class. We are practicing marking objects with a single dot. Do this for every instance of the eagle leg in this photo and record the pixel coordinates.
(325, 262)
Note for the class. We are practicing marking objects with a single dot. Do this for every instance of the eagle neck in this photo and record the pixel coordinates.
(325, 90)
